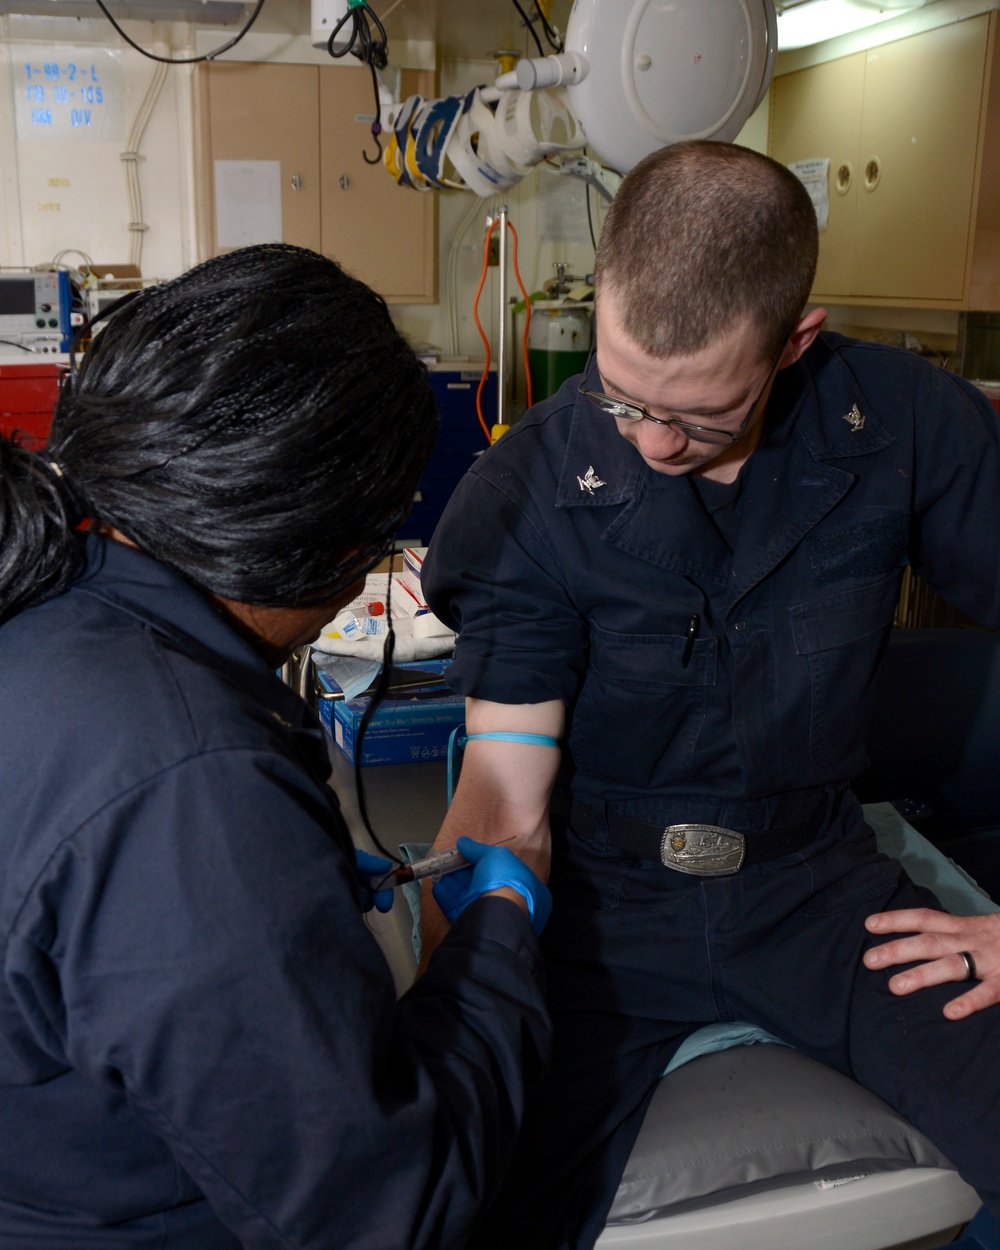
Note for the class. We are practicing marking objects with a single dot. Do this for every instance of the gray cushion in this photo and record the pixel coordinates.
(759, 1117)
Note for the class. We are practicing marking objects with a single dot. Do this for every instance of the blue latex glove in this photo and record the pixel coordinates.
(368, 867)
(491, 868)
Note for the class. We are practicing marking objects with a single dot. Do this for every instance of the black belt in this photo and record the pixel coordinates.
(701, 849)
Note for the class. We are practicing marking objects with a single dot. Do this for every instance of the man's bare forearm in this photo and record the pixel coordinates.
(503, 792)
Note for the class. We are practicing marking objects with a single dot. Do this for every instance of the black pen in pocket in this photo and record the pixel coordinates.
(692, 634)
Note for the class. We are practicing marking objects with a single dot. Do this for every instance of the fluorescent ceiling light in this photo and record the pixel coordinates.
(815, 20)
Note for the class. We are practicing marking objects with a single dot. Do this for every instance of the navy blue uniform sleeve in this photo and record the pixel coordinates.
(956, 496)
(198, 945)
(492, 574)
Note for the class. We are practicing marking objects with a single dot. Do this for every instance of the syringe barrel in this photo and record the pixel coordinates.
(437, 864)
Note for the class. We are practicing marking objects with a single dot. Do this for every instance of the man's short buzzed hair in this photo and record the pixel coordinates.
(701, 238)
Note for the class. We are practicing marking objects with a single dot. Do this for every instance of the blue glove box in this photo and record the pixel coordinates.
(406, 729)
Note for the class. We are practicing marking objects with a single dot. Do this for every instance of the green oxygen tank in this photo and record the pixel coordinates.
(558, 344)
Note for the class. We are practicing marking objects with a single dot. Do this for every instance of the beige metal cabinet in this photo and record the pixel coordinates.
(315, 121)
(261, 113)
(910, 132)
(817, 112)
(383, 233)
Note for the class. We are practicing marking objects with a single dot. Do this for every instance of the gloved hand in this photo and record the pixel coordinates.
(490, 868)
(370, 867)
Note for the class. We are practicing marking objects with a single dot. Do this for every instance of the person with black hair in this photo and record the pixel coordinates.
(199, 1043)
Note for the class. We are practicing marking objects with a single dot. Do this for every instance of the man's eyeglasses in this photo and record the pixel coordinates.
(625, 410)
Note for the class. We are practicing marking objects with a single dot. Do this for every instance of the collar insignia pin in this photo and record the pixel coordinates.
(590, 481)
(855, 419)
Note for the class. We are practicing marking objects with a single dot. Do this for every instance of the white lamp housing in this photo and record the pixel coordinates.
(663, 71)
(324, 15)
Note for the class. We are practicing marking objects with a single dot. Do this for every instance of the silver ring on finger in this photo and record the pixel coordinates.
(970, 965)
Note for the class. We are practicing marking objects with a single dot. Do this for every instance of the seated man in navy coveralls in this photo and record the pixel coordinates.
(200, 1046)
(687, 563)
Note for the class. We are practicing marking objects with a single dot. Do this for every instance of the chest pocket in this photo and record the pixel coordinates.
(640, 710)
(841, 637)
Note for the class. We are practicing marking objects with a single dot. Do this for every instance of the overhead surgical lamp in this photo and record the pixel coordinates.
(662, 71)
(634, 76)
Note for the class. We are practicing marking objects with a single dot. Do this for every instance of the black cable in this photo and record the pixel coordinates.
(382, 683)
(11, 343)
(182, 60)
(590, 216)
(361, 32)
(530, 26)
(371, 52)
(376, 124)
(551, 34)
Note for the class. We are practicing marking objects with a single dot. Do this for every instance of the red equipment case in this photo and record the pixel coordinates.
(27, 397)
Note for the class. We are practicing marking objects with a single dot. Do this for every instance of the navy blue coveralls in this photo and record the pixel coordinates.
(574, 572)
(200, 1047)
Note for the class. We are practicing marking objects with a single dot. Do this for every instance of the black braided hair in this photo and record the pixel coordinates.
(257, 424)
(39, 551)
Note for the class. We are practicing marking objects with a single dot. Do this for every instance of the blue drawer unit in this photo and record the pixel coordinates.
(460, 439)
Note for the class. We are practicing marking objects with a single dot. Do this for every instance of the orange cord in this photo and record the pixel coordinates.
(527, 321)
(482, 332)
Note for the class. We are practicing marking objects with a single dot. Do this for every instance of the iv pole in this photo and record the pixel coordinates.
(502, 345)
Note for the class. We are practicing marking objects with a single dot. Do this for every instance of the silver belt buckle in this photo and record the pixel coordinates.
(703, 850)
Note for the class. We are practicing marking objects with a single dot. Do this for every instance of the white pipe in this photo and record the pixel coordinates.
(451, 273)
(130, 158)
(550, 71)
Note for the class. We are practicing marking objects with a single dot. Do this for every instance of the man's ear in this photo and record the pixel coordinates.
(803, 336)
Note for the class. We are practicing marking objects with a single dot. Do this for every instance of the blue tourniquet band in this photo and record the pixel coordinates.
(501, 735)
(535, 740)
